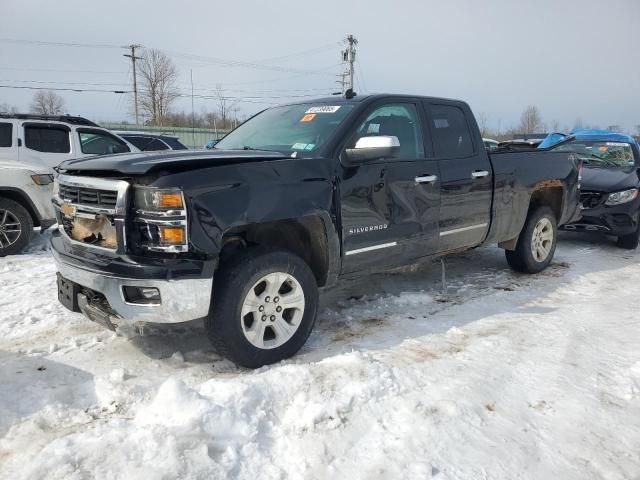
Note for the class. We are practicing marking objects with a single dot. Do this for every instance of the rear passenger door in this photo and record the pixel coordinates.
(466, 182)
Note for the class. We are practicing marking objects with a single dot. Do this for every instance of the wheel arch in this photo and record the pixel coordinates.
(23, 199)
(547, 193)
(312, 237)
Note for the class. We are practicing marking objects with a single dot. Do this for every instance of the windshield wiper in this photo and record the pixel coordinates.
(601, 160)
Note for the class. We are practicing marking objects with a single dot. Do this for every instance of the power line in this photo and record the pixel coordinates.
(18, 69)
(219, 61)
(247, 99)
(54, 83)
(324, 48)
(58, 44)
(242, 64)
(24, 87)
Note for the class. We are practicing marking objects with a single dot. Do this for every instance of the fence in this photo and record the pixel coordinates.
(194, 138)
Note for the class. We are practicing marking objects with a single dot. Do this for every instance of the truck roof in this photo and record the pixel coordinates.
(370, 97)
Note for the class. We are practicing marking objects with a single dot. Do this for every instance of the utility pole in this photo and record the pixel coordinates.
(345, 79)
(193, 115)
(133, 58)
(351, 57)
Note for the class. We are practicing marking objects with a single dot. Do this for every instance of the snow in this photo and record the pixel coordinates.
(504, 376)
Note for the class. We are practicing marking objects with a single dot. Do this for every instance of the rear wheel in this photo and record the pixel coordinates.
(264, 307)
(630, 242)
(16, 227)
(536, 244)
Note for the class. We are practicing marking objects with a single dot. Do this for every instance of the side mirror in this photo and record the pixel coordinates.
(373, 148)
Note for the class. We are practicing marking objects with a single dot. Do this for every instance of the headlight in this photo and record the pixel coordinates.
(159, 200)
(42, 179)
(624, 196)
(161, 217)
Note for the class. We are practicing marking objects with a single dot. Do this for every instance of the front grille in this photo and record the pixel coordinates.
(91, 197)
(591, 199)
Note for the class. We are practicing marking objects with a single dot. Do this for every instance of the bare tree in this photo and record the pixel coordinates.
(47, 102)
(6, 108)
(158, 85)
(530, 120)
(555, 127)
(483, 124)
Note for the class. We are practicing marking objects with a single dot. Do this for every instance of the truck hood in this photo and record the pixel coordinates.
(147, 162)
(609, 179)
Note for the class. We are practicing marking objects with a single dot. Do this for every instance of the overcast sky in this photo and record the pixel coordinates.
(572, 59)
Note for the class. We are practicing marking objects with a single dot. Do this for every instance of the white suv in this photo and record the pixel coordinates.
(30, 146)
(49, 140)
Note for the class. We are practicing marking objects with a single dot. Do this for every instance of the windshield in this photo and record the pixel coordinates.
(604, 154)
(290, 128)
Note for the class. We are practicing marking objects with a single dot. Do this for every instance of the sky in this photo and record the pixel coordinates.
(571, 59)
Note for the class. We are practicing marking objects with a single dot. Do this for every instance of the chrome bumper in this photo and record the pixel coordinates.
(180, 300)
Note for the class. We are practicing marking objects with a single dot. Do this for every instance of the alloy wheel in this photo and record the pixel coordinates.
(542, 240)
(272, 310)
(10, 228)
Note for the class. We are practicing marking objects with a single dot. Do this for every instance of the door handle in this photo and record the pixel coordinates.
(426, 179)
(479, 174)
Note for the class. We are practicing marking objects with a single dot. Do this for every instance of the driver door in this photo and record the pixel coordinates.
(389, 206)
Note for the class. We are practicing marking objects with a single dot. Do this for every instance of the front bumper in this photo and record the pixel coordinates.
(615, 220)
(181, 300)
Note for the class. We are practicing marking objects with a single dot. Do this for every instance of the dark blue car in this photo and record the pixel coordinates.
(610, 182)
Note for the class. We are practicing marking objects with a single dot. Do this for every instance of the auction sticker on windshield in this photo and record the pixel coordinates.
(324, 109)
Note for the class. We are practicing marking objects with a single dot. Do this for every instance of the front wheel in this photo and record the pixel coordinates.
(536, 244)
(16, 227)
(630, 242)
(264, 307)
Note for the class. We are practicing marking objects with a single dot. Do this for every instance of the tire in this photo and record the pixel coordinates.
(629, 242)
(540, 229)
(249, 282)
(16, 227)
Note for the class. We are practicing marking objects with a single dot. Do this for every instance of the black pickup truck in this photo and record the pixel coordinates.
(297, 197)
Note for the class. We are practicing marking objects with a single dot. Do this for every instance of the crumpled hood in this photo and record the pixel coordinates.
(147, 162)
(609, 179)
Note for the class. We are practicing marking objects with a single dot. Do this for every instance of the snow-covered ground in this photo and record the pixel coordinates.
(505, 377)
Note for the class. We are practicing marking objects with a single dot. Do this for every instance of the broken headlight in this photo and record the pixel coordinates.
(161, 218)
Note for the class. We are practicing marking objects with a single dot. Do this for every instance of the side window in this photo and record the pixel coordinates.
(451, 134)
(6, 134)
(47, 139)
(138, 142)
(100, 143)
(399, 120)
(153, 144)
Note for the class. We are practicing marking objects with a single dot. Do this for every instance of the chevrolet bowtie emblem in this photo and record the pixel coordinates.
(68, 210)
